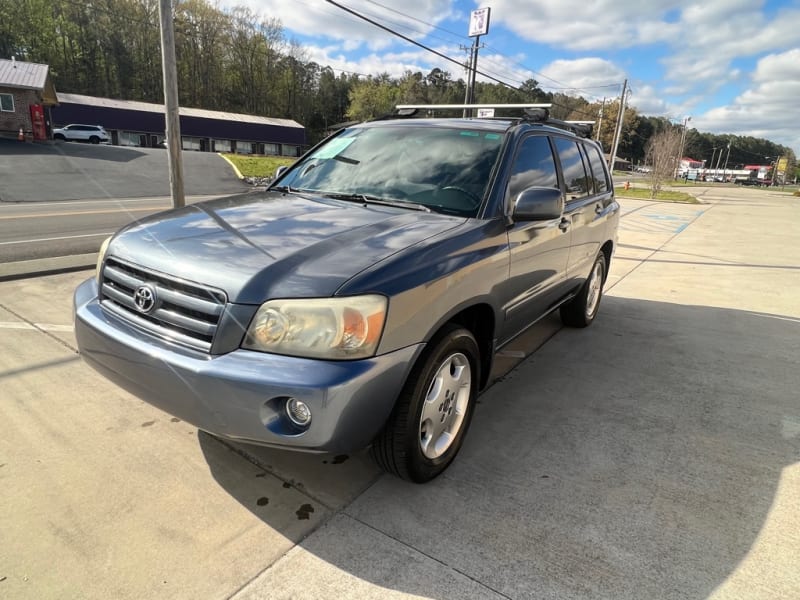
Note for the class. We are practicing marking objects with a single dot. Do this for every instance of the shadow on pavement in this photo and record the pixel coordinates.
(74, 171)
(639, 458)
(102, 152)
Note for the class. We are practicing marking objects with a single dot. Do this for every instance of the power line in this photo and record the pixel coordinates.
(416, 43)
(485, 73)
(496, 51)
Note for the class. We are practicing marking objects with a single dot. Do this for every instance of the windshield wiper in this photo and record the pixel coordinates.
(366, 199)
(286, 189)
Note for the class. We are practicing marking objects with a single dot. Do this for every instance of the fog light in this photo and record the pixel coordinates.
(298, 412)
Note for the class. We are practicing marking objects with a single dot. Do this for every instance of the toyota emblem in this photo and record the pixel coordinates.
(145, 298)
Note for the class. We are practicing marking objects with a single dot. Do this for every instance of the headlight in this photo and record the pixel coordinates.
(100, 257)
(332, 328)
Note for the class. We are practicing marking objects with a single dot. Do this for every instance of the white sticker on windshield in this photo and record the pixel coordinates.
(333, 148)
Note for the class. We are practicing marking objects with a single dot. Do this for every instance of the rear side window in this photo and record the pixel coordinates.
(575, 177)
(534, 166)
(598, 171)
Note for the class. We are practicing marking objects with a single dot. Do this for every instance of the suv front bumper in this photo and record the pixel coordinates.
(241, 395)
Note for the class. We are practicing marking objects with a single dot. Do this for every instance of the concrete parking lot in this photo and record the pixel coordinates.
(654, 455)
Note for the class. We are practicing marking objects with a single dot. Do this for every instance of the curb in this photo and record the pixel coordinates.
(47, 266)
(233, 166)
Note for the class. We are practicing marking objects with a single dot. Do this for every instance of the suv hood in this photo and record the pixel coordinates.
(273, 245)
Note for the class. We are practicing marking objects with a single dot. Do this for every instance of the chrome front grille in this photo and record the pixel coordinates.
(165, 306)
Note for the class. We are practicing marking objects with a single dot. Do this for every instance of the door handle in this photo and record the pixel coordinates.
(564, 224)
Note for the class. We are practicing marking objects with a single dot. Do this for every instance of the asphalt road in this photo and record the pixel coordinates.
(47, 172)
(62, 199)
(41, 230)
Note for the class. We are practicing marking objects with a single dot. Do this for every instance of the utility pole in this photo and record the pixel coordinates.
(713, 152)
(473, 70)
(172, 116)
(600, 122)
(725, 168)
(618, 130)
(469, 77)
(683, 142)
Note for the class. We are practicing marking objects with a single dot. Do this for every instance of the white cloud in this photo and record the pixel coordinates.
(393, 63)
(708, 47)
(766, 110)
(649, 101)
(705, 37)
(581, 25)
(505, 68)
(588, 77)
(324, 20)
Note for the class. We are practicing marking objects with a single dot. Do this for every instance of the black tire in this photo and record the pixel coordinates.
(59, 136)
(94, 140)
(398, 448)
(582, 309)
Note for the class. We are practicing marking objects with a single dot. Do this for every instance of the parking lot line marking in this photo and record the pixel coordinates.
(78, 213)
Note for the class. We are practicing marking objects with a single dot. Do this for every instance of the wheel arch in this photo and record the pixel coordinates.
(608, 250)
(478, 319)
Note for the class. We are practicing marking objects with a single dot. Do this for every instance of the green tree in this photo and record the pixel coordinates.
(372, 97)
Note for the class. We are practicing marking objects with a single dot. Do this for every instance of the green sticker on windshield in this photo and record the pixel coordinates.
(333, 148)
(492, 136)
(470, 133)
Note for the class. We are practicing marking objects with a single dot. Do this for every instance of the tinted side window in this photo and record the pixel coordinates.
(598, 170)
(575, 178)
(533, 165)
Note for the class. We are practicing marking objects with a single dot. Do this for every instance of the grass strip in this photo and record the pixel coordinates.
(258, 166)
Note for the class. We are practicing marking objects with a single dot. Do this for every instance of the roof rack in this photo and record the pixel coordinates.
(542, 116)
(403, 107)
(532, 113)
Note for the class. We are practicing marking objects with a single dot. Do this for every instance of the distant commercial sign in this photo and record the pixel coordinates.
(479, 22)
(485, 113)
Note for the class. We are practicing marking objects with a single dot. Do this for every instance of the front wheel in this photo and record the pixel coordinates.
(428, 424)
(582, 309)
(94, 140)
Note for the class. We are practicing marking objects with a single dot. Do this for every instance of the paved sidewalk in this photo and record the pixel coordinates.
(654, 455)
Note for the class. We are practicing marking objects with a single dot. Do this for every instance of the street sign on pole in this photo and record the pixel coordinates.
(479, 22)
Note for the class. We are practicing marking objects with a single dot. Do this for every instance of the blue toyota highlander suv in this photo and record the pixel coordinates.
(360, 299)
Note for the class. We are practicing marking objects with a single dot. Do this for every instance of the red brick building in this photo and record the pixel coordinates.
(26, 95)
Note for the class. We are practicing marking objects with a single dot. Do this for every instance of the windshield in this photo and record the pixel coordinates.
(445, 169)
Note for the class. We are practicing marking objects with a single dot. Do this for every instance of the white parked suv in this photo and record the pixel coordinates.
(93, 134)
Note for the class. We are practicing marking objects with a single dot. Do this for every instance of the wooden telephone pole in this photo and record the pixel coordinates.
(618, 129)
(172, 115)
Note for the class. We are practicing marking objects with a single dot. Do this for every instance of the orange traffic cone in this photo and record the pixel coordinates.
(21, 136)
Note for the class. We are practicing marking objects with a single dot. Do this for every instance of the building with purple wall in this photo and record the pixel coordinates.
(132, 123)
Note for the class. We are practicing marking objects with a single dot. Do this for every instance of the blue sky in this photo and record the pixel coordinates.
(733, 66)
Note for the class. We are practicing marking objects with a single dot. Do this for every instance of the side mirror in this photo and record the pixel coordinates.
(538, 204)
(280, 171)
